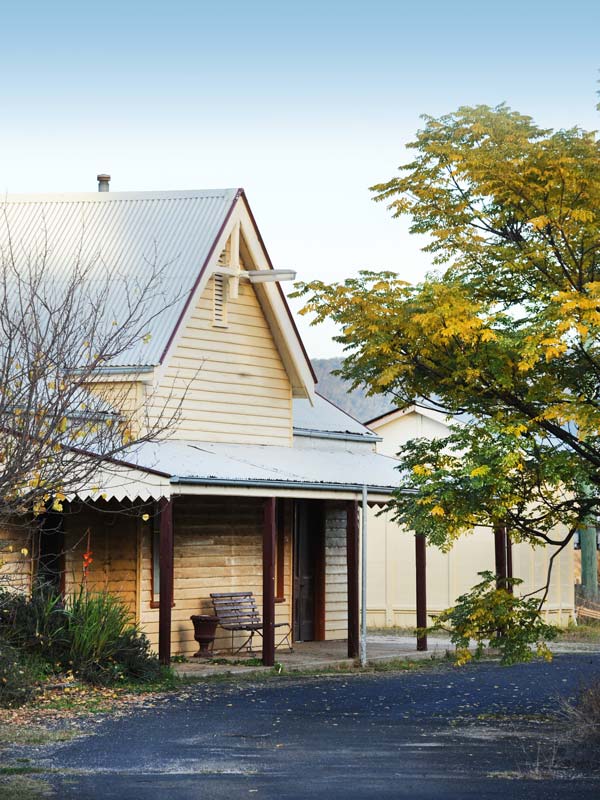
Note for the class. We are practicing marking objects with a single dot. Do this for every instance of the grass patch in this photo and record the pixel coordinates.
(396, 630)
(235, 662)
(584, 632)
(32, 734)
(23, 787)
(82, 698)
(21, 769)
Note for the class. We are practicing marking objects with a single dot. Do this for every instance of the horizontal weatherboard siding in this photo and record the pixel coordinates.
(230, 381)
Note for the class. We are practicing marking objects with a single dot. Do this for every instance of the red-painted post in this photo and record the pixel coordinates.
(352, 571)
(269, 537)
(166, 580)
(421, 582)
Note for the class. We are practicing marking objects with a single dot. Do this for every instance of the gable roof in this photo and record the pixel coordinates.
(424, 409)
(127, 231)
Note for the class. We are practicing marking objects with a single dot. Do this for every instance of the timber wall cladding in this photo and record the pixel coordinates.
(217, 548)
(231, 378)
(15, 567)
(113, 542)
(336, 582)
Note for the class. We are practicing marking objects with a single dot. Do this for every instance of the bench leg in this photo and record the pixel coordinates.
(285, 638)
(247, 644)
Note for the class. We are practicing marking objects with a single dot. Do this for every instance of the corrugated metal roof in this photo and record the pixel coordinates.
(326, 417)
(230, 464)
(124, 231)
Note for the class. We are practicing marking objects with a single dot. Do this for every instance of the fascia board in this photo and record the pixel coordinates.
(286, 337)
(207, 271)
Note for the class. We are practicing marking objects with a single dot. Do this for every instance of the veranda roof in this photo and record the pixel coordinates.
(180, 467)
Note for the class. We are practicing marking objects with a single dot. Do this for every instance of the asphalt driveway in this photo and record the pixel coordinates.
(444, 733)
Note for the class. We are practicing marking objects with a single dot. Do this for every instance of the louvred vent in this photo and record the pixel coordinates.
(219, 301)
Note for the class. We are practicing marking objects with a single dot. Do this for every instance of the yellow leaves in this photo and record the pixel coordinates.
(63, 425)
(145, 517)
(146, 338)
(57, 501)
(463, 656)
(39, 507)
(539, 223)
(488, 335)
(438, 511)
(24, 551)
(425, 501)
(516, 430)
(479, 472)
(582, 215)
(421, 469)
(554, 347)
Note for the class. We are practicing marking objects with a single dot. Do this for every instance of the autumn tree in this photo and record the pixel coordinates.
(505, 333)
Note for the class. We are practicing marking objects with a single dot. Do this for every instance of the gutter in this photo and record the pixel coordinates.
(125, 370)
(266, 483)
(343, 437)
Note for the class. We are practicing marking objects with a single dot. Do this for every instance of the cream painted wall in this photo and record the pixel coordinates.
(228, 377)
(391, 557)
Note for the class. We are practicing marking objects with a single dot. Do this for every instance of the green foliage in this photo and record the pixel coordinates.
(17, 679)
(104, 644)
(493, 617)
(91, 635)
(36, 623)
(487, 473)
(506, 332)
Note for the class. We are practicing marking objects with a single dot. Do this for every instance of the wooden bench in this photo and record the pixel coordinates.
(588, 611)
(237, 611)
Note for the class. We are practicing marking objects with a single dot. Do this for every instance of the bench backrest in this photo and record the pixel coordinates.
(235, 610)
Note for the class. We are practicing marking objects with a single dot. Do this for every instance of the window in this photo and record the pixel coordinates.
(155, 558)
(219, 301)
(155, 534)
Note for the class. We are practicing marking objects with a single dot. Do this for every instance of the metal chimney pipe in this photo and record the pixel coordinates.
(103, 182)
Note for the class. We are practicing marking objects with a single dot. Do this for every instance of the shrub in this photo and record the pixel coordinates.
(91, 634)
(496, 618)
(36, 623)
(104, 644)
(581, 728)
(17, 680)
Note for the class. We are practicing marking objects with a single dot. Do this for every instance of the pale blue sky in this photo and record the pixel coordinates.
(304, 104)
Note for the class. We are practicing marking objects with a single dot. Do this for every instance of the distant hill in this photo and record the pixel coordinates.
(338, 391)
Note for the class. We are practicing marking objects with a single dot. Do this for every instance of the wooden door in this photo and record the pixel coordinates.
(308, 588)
